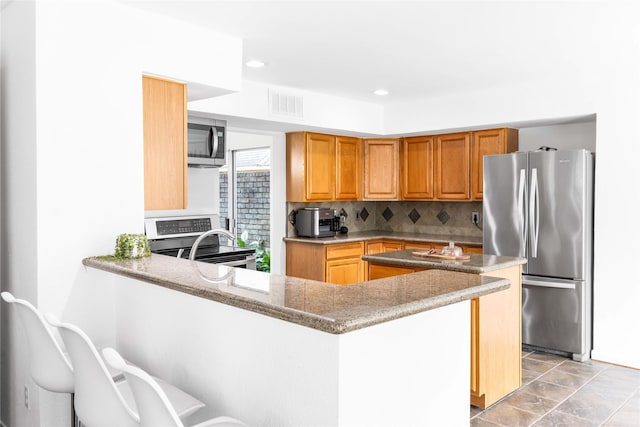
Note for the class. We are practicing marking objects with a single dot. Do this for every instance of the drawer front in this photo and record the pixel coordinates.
(419, 245)
(344, 250)
(379, 271)
(471, 249)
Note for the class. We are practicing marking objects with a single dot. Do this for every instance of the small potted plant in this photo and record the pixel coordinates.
(132, 246)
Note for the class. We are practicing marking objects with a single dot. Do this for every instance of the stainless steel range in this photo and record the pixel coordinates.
(175, 236)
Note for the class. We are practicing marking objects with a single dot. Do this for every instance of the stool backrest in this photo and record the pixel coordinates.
(154, 407)
(98, 401)
(49, 366)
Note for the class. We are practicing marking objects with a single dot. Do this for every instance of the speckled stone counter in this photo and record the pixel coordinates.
(323, 306)
(376, 235)
(478, 264)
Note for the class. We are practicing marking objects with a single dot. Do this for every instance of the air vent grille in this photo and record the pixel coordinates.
(284, 104)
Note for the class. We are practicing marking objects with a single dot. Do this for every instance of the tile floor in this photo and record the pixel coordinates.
(557, 391)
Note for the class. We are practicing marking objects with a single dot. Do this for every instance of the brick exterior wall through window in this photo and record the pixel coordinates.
(253, 203)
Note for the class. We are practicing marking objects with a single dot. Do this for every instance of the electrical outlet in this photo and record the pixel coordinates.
(27, 403)
(475, 218)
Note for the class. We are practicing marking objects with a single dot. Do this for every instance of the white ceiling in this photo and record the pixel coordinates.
(412, 49)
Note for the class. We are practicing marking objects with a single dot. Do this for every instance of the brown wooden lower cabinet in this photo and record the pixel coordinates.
(344, 263)
(337, 263)
(378, 247)
(496, 341)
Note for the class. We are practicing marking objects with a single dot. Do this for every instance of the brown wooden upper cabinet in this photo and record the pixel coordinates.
(381, 169)
(348, 168)
(484, 142)
(164, 105)
(310, 167)
(433, 167)
(417, 168)
(452, 159)
(323, 167)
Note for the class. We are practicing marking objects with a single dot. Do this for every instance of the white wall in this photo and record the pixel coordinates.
(320, 111)
(72, 135)
(563, 136)
(19, 271)
(204, 193)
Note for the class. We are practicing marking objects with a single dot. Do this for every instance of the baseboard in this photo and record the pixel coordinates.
(614, 360)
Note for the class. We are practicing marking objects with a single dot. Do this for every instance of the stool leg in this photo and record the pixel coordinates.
(74, 419)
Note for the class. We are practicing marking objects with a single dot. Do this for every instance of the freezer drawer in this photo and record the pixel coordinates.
(556, 315)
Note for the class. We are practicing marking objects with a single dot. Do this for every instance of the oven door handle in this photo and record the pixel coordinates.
(237, 263)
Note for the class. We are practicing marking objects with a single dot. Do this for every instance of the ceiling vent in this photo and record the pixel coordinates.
(284, 104)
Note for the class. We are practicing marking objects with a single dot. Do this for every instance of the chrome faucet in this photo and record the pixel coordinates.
(194, 248)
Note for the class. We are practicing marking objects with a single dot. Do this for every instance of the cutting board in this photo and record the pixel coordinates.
(435, 255)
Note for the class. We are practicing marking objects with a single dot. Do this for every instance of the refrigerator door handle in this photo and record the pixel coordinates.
(523, 213)
(546, 284)
(534, 212)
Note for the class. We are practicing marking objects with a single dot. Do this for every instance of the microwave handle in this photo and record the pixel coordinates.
(210, 142)
(213, 141)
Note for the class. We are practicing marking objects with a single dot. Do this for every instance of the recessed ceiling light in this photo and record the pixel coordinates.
(380, 92)
(254, 63)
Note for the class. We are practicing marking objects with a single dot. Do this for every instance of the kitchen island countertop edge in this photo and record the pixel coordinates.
(326, 307)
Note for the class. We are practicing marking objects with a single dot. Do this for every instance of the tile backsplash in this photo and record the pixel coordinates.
(445, 218)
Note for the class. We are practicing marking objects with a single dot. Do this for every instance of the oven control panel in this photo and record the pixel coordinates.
(169, 227)
(183, 226)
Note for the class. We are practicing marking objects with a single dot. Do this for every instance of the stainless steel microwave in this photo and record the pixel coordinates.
(207, 142)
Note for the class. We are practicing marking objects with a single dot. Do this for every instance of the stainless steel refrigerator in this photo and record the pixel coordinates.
(539, 205)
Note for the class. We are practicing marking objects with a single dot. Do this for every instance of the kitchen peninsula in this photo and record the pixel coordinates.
(279, 350)
(495, 319)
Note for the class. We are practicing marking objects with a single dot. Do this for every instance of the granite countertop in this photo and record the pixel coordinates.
(477, 264)
(392, 235)
(323, 306)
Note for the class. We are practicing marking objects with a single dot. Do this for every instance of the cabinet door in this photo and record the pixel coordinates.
(381, 169)
(320, 167)
(374, 248)
(345, 271)
(164, 104)
(452, 180)
(486, 142)
(417, 167)
(348, 168)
